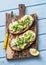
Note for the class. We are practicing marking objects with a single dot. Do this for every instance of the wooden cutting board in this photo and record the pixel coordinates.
(10, 54)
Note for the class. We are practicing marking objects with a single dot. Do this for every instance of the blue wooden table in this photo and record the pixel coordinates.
(32, 6)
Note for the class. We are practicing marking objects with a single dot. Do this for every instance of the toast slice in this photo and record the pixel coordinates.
(21, 25)
(22, 41)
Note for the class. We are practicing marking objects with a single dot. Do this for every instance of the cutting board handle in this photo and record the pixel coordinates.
(21, 9)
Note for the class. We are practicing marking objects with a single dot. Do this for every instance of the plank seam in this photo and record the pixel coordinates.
(25, 7)
(36, 5)
(42, 50)
(41, 34)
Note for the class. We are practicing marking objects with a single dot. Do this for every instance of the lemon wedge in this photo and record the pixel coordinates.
(34, 52)
(5, 41)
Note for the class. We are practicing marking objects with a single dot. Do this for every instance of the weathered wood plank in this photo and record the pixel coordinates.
(41, 44)
(2, 52)
(41, 60)
(39, 10)
(42, 26)
(2, 33)
(8, 4)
